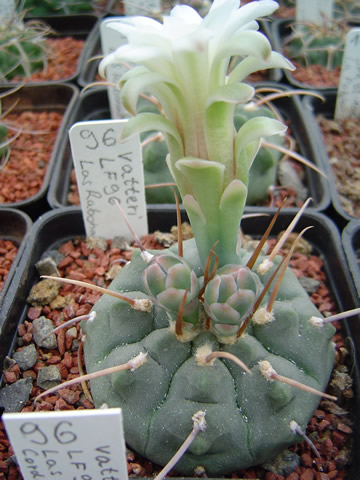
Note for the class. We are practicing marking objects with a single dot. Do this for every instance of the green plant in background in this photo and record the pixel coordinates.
(203, 332)
(23, 49)
(310, 43)
(38, 8)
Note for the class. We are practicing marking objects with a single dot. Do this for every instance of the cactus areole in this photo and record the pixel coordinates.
(201, 300)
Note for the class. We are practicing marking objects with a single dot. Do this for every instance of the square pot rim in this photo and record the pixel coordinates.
(73, 93)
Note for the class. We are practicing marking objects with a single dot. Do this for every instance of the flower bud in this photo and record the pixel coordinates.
(167, 279)
(229, 298)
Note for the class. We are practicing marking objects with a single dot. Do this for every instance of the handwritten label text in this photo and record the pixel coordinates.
(109, 173)
(62, 445)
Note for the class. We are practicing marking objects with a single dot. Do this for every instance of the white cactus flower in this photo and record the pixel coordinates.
(183, 62)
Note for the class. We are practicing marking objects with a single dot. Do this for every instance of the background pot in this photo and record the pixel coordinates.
(94, 105)
(312, 108)
(42, 97)
(59, 226)
(14, 226)
(351, 244)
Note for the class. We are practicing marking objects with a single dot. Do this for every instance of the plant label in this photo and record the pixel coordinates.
(348, 95)
(111, 40)
(314, 11)
(142, 7)
(109, 173)
(69, 445)
(7, 9)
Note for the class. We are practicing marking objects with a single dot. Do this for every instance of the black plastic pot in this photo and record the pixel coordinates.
(76, 26)
(312, 108)
(14, 226)
(92, 49)
(280, 29)
(351, 244)
(89, 65)
(94, 105)
(58, 97)
(59, 226)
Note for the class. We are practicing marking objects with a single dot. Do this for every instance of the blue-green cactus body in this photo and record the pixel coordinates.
(247, 415)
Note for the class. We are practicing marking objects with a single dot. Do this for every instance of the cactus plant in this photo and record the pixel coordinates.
(210, 300)
(311, 43)
(347, 10)
(22, 46)
(64, 7)
(5, 138)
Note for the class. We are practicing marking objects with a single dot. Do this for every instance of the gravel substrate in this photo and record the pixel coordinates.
(36, 364)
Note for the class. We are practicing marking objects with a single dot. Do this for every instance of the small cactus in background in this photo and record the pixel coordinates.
(22, 47)
(347, 10)
(38, 8)
(5, 137)
(212, 301)
(310, 43)
(156, 171)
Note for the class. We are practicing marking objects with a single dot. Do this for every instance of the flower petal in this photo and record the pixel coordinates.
(246, 43)
(239, 93)
(146, 82)
(255, 128)
(252, 64)
(184, 13)
(144, 122)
